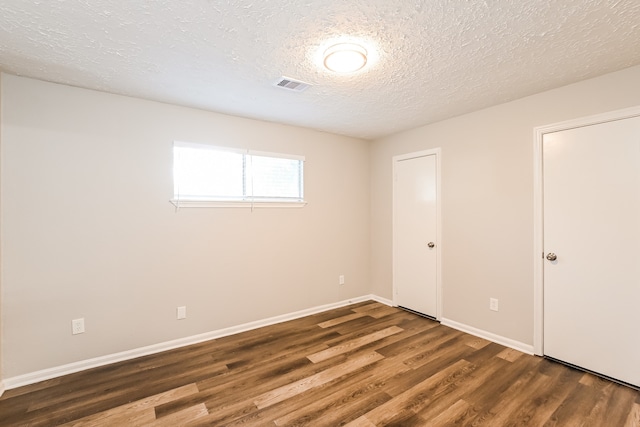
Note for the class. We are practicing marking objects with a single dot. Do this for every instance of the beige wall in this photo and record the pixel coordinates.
(88, 230)
(1, 308)
(487, 199)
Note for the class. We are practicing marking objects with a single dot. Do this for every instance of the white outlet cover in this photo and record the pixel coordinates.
(181, 312)
(341, 279)
(77, 326)
(493, 304)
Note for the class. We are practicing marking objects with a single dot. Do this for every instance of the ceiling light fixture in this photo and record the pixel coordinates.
(345, 58)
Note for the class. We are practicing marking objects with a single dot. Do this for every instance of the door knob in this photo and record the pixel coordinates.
(551, 256)
(431, 244)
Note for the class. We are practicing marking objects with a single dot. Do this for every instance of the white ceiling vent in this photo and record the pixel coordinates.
(291, 84)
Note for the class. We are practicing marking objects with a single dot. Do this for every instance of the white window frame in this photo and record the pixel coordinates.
(249, 202)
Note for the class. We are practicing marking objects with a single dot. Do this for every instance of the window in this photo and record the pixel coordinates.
(225, 176)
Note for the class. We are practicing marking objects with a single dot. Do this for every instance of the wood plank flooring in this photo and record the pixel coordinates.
(362, 365)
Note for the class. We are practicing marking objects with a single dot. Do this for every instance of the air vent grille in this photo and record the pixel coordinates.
(291, 84)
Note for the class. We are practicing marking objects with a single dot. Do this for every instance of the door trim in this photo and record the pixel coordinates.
(538, 209)
(433, 152)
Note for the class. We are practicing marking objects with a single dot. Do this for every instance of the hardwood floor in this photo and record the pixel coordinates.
(362, 365)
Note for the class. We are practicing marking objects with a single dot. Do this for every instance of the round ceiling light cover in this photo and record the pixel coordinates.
(345, 58)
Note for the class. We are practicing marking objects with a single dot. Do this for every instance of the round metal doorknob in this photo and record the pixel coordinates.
(431, 244)
(551, 256)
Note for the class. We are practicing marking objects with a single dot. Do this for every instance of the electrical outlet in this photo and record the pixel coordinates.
(77, 326)
(181, 312)
(493, 304)
(341, 279)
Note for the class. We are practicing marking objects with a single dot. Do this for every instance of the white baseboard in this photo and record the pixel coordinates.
(380, 300)
(507, 342)
(58, 371)
(1, 388)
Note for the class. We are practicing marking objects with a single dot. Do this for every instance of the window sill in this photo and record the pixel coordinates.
(179, 204)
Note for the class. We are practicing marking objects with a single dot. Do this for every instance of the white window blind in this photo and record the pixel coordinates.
(208, 173)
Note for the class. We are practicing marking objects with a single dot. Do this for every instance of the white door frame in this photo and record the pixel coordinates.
(538, 206)
(395, 160)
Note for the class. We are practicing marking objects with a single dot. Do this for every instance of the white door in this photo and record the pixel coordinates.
(592, 246)
(415, 245)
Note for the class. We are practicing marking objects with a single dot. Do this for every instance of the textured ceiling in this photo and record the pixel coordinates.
(430, 60)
